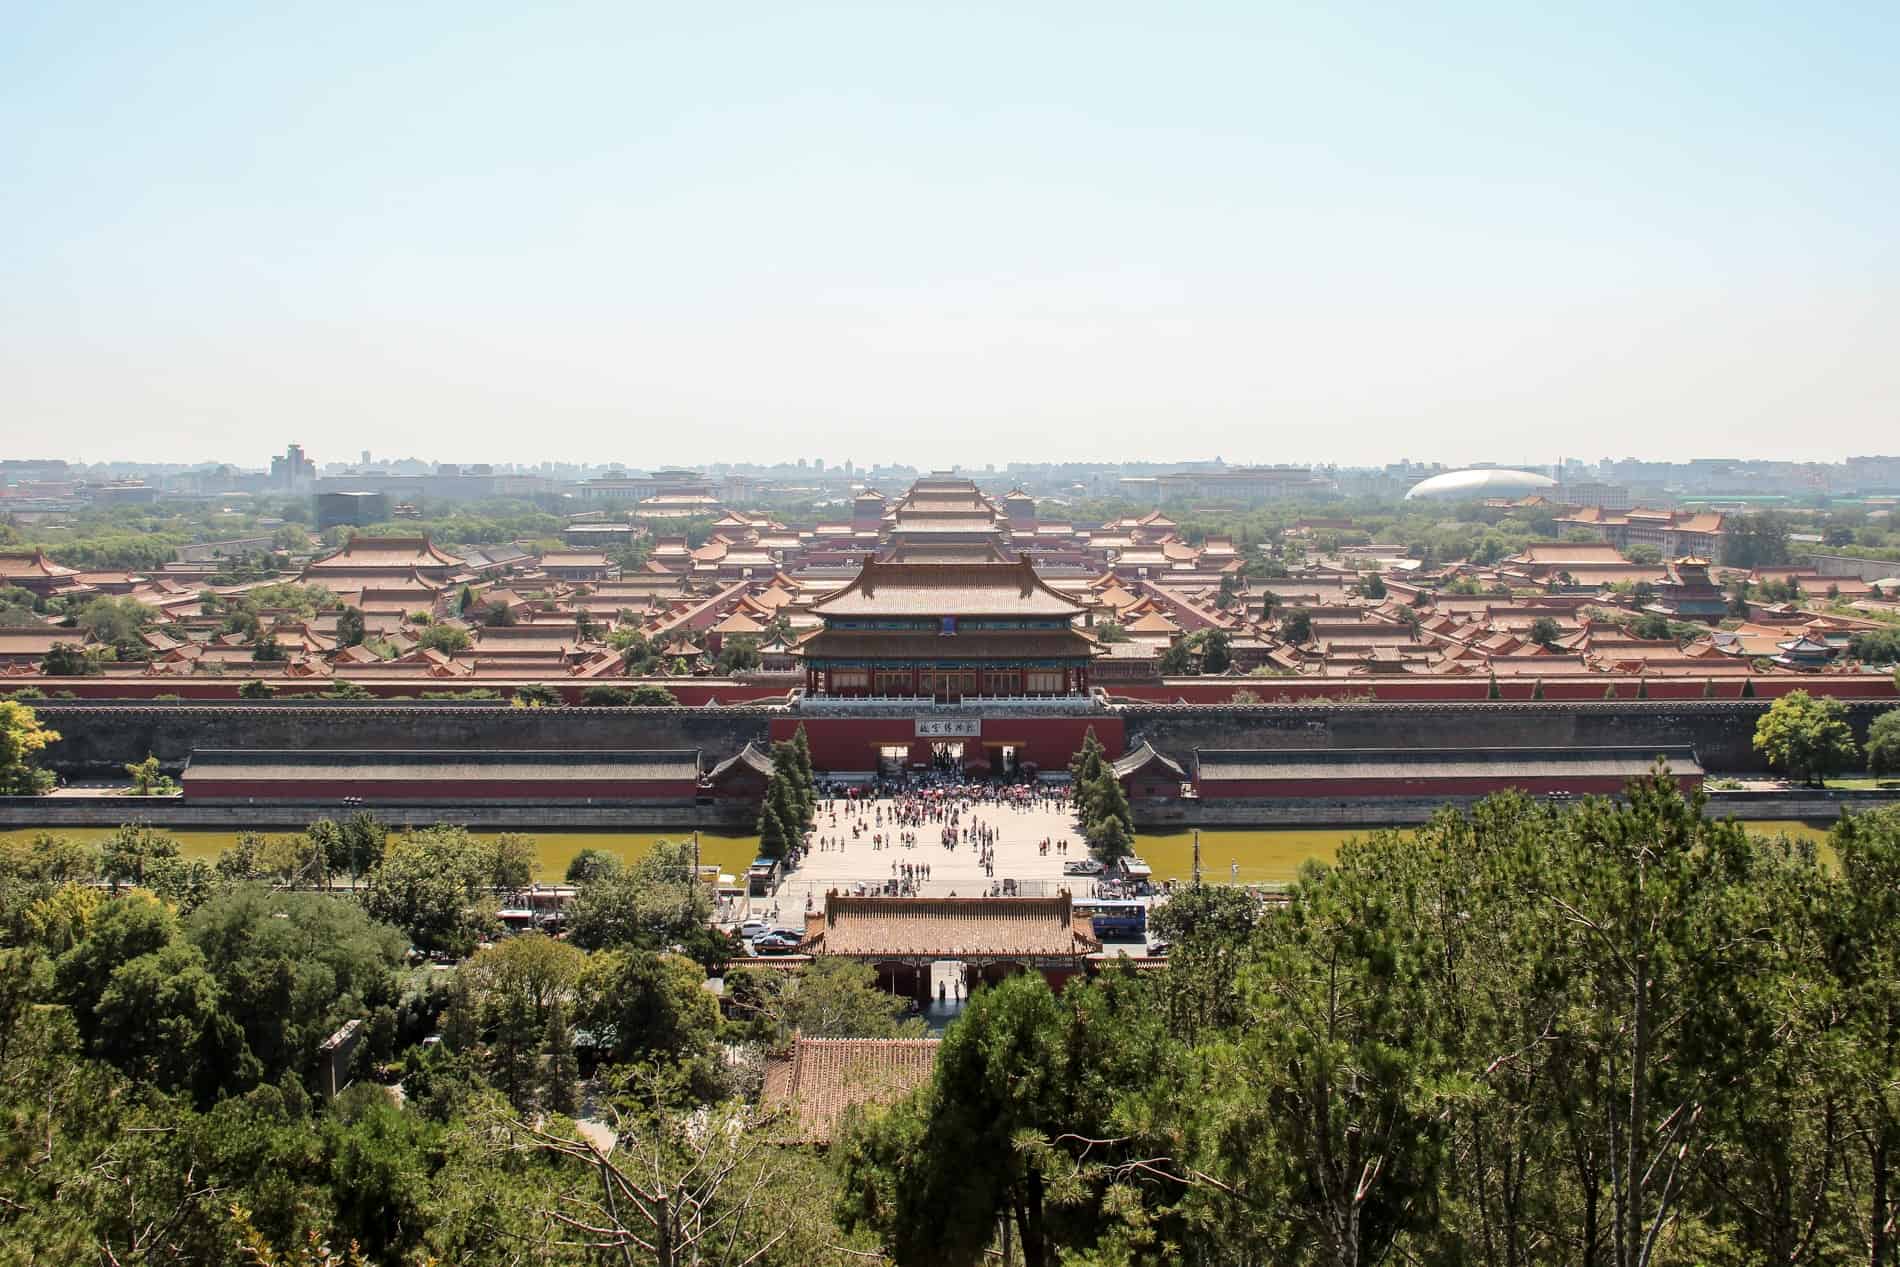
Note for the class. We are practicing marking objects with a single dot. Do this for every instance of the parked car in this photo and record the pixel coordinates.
(752, 929)
(1086, 866)
(770, 945)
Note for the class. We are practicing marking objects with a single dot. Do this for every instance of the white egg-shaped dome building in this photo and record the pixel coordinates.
(1490, 481)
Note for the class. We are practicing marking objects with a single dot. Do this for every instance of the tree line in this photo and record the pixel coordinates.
(165, 1046)
(1606, 1033)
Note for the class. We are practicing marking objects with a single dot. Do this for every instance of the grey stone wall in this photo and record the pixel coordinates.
(97, 740)
(1848, 565)
(100, 739)
(1721, 731)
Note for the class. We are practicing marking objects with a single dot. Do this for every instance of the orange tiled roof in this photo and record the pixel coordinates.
(938, 927)
(31, 563)
(383, 552)
(820, 1078)
(947, 589)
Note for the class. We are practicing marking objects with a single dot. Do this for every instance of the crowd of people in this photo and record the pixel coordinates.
(944, 806)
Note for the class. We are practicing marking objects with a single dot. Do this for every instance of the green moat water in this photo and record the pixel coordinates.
(1253, 857)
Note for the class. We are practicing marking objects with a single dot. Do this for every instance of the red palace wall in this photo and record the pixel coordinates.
(852, 743)
(696, 692)
(647, 793)
(691, 692)
(1360, 789)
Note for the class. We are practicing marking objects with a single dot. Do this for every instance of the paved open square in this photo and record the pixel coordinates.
(870, 842)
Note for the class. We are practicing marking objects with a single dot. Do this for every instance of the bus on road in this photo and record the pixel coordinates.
(1116, 919)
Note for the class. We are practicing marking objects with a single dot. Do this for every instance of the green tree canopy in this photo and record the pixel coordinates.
(22, 738)
(440, 885)
(642, 1005)
(445, 638)
(1806, 737)
(1883, 743)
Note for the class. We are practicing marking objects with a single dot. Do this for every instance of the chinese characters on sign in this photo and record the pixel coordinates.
(949, 727)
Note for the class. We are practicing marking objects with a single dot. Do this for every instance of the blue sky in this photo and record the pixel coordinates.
(938, 233)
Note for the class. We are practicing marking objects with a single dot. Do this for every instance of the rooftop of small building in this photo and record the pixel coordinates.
(819, 1079)
(947, 927)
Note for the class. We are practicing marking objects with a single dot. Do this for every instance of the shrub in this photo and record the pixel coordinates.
(650, 696)
(605, 696)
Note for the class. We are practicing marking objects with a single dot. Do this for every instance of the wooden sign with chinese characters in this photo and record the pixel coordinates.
(949, 727)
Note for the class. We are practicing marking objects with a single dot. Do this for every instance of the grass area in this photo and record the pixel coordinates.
(553, 850)
(1261, 857)
(1865, 785)
(1275, 857)
(1252, 857)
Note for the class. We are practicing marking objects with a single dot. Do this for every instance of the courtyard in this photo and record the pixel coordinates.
(867, 844)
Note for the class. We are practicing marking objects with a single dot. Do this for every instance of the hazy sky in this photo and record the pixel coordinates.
(949, 232)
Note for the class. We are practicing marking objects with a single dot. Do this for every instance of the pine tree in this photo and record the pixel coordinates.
(1642, 688)
(785, 801)
(1609, 692)
(801, 744)
(1112, 803)
(1088, 758)
(1537, 689)
(1088, 802)
(1492, 692)
(1748, 688)
(561, 1071)
(1113, 841)
(460, 1032)
(1708, 688)
(772, 841)
(512, 1056)
(800, 797)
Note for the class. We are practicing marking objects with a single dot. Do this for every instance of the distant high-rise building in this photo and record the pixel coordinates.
(293, 470)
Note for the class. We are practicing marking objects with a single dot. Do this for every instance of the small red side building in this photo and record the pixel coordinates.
(1148, 775)
(742, 776)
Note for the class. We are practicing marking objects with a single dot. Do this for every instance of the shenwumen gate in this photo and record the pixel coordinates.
(947, 631)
